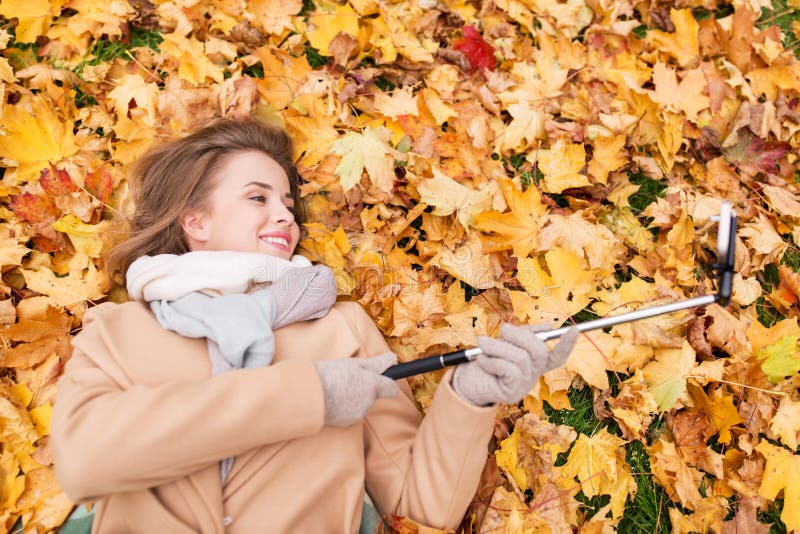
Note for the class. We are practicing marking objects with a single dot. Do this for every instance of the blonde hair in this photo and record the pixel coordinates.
(174, 177)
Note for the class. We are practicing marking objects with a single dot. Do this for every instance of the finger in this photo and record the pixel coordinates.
(498, 348)
(539, 327)
(563, 348)
(524, 338)
(385, 387)
(378, 364)
(499, 368)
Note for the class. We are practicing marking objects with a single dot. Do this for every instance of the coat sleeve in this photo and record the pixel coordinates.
(427, 468)
(111, 439)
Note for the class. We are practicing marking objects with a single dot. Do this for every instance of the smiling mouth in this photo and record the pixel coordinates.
(276, 241)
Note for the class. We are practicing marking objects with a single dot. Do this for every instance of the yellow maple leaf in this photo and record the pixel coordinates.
(561, 166)
(670, 139)
(88, 238)
(608, 156)
(595, 244)
(193, 64)
(624, 223)
(683, 45)
(507, 460)
(132, 87)
(395, 38)
(369, 150)
(720, 410)
(780, 473)
(666, 375)
(687, 96)
(519, 228)
(786, 422)
(34, 17)
(83, 283)
(275, 16)
(764, 241)
(528, 125)
(467, 262)
(449, 196)
(41, 416)
(12, 251)
(592, 357)
(313, 137)
(35, 137)
(399, 102)
(326, 26)
(707, 517)
(598, 463)
(413, 308)
(559, 294)
(283, 76)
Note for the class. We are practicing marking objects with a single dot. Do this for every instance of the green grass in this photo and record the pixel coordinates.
(649, 191)
(782, 15)
(648, 510)
(772, 517)
(105, 50)
(314, 58)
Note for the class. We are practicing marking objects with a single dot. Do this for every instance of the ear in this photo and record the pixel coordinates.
(196, 226)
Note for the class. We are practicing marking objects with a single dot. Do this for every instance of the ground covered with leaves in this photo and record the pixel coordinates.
(466, 163)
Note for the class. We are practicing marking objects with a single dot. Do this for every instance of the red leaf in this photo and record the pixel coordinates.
(480, 54)
(753, 154)
(99, 184)
(33, 208)
(44, 244)
(57, 182)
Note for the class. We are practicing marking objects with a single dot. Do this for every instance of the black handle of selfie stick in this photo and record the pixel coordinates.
(724, 269)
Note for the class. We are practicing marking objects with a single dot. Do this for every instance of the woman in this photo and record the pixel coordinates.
(142, 421)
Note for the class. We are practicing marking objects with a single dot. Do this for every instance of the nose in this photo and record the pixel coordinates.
(282, 214)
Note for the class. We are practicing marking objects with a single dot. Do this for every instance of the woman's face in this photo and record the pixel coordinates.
(250, 210)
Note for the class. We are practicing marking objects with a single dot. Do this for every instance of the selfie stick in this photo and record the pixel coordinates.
(726, 242)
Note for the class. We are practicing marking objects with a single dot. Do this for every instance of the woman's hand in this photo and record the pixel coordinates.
(510, 367)
(351, 386)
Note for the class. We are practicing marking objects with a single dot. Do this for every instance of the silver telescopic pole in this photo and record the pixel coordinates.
(726, 240)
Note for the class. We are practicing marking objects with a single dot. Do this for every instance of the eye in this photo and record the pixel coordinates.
(292, 210)
(258, 198)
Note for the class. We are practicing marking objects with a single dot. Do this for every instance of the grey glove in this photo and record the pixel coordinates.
(351, 386)
(302, 294)
(510, 367)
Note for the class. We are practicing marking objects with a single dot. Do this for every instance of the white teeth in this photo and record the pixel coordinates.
(278, 240)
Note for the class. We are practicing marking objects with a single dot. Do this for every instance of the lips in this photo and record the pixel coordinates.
(279, 240)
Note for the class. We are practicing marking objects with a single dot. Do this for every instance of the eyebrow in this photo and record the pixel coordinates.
(266, 186)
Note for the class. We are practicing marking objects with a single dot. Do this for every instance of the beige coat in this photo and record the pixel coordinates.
(139, 425)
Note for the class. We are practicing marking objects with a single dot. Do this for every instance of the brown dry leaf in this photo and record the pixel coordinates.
(786, 422)
(707, 517)
(671, 471)
(746, 520)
